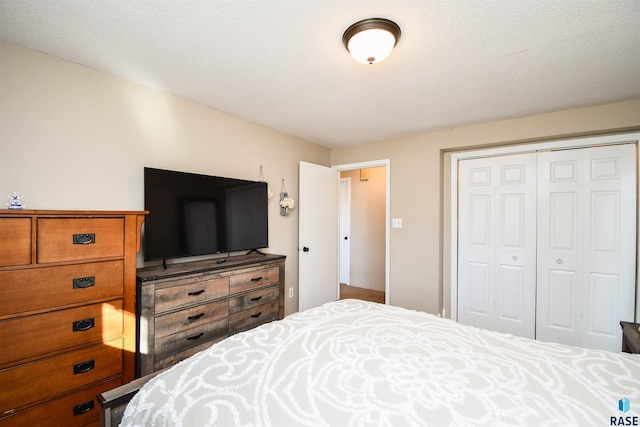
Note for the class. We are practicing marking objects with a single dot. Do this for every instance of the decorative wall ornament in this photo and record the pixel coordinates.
(286, 203)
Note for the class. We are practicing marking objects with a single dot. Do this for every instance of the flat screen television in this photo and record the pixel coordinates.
(192, 214)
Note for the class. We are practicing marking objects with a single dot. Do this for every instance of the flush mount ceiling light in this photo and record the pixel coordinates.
(371, 40)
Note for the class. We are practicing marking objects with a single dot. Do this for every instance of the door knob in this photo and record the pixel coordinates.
(305, 249)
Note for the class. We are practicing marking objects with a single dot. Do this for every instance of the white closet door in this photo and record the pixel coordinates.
(586, 245)
(497, 243)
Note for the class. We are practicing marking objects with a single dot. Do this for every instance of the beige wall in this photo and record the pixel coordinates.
(75, 138)
(368, 200)
(417, 192)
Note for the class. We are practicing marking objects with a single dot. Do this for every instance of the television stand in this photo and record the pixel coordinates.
(190, 305)
(255, 251)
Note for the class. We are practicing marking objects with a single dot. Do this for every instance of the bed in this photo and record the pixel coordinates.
(356, 363)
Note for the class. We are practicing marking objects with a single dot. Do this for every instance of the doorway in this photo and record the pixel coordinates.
(364, 231)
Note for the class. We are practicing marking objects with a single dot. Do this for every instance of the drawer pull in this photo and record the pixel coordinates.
(256, 298)
(84, 282)
(256, 315)
(82, 367)
(83, 408)
(192, 294)
(84, 239)
(256, 279)
(196, 317)
(195, 337)
(83, 325)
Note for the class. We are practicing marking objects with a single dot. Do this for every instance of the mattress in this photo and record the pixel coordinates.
(357, 363)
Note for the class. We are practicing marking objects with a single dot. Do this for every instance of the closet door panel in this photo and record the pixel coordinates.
(515, 252)
(586, 231)
(496, 263)
(562, 211)
(561, 224)
(480, 290)
(605, 227)
(512, 217)
(554, 313)
(475, 267)
(479, 219)
(511, 292)
(603, 291)
(610, 253)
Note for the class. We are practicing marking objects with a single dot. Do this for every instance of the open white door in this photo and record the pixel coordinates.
(345, 231)
(318, 236)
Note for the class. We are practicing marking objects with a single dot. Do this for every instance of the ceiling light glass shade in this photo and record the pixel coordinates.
(371, 40)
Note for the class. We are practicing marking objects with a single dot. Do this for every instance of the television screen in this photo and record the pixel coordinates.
(192, 214)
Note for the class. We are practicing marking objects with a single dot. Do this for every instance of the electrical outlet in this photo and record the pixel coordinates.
(290, 292)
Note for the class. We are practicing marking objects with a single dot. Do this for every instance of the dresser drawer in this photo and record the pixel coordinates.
(175, 322)
(190, 291)
(71, 239)
(39, 288)
(253, 299)
(30, 336)
(182, 355)
(253, 317)
(74, 410)
(15, 241)
(253, 279)
(47, 378)
(191, 337)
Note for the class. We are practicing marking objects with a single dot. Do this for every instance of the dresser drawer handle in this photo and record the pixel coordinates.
(84, 282)
(82, 367)
(195, 337)
(83, 325)
(256, 298)
(256, 315)
(84, 239)
(196, 317)
(192, 294)
(83, 408)
(256, 279)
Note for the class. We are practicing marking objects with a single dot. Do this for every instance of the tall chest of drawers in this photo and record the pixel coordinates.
(67, 312)
(187, 307)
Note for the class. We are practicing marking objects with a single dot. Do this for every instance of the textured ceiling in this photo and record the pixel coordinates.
(281, 63)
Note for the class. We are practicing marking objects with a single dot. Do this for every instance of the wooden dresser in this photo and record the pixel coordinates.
(67, 312)
(187, 307)
(630, 337)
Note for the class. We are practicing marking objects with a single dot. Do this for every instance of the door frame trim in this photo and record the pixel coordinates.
(387, 233)
(582, 142)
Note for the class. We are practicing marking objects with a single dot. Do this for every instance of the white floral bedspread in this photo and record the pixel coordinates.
(355, 363)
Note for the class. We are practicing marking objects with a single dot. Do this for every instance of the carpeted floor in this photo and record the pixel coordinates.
(361, 293)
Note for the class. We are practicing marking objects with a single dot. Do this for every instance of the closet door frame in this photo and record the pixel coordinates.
(585, 142)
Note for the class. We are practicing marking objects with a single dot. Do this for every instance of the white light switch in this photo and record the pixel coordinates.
(396, 222)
